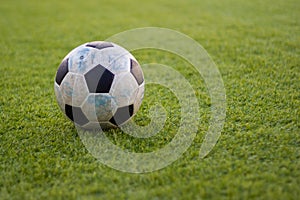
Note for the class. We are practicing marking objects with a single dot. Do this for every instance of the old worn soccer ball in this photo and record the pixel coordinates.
(99, 84)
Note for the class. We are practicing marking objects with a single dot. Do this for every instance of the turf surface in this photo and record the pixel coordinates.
(255, 44)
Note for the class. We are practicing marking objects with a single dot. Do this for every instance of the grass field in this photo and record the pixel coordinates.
(255, 44)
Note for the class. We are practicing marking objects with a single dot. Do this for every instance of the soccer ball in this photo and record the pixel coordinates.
(99, 84)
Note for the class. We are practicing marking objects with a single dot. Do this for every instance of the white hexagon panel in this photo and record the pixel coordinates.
(139, 97)
(59, 98)
(99, 107)
(124, 89)
(74, 89)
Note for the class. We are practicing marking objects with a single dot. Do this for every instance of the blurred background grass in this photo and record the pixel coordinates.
(255, 44)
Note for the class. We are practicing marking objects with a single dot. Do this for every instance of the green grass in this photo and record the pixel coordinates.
(255, 44)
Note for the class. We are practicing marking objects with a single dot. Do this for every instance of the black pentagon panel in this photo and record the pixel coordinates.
(76, 115)
(62, 71)
(136, 71)
(99, 45)
(99, 79)
(122, 115)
